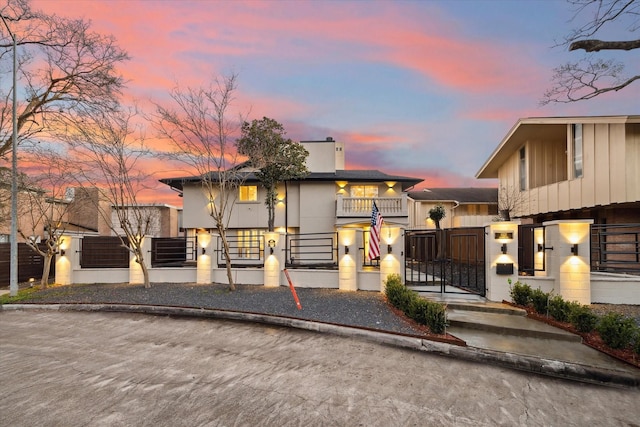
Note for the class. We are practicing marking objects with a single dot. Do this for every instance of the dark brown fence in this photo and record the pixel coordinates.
(30, 264)
(615, 248)
(103, 252)
(172, 251)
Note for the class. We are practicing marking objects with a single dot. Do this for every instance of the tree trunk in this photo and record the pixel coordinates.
(44, 282)
(145, 274)
(227, 258)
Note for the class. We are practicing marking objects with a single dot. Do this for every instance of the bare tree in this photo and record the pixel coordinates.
(592, 76)
(510, 202)
(200, 133)
(45, 211)
(110, 149)
(63, 67)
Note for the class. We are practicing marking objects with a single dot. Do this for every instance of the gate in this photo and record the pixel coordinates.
(446, 261)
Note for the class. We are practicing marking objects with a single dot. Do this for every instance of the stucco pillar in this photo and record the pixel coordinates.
(67, 260)
(136, 276)
(347, 263)
(273, 258)
(206, 254)
(569, 261)
(391, 253)
(501, 258)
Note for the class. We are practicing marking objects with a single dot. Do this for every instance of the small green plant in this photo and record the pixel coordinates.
(539, 300)
(520, 293)
(418, 310)
(582, 318)
(616, 330)
(559, 308)
(436, 317)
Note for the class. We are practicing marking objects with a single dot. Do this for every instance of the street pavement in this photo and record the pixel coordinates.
(118, 369)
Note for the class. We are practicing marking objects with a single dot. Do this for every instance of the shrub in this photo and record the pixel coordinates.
(616, 330)
(539, 301)
(422, 311)
(520, 293)
(636, 344)
(436, 317)
(583, 318)
(559, 308)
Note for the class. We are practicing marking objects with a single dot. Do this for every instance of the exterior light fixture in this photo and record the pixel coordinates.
(346, 249)
(62, 252)
(204, 251)
(574, 249)
(272, 244)
(389, 249)
(503, 248)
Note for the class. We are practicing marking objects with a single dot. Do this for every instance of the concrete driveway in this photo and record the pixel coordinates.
(109, 369)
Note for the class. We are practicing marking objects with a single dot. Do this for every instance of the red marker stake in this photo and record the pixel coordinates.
(293, 290)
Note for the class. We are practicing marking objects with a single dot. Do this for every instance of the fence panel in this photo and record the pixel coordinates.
(615, 248)
(173, 251)
(312, 250)
(30, 264)
(244, 251)
(103, 252)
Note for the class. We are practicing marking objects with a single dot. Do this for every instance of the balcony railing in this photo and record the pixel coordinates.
(361, 206)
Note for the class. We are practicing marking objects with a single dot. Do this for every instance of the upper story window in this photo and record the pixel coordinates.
(576, 150)
(248, 193)
(523, 169)
(369, 191)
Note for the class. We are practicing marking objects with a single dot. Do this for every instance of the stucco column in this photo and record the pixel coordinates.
(569, 261)
(347, 254)
(67, 260)
(273, 258)
(391, 253)
(205, 256)
(501, 258)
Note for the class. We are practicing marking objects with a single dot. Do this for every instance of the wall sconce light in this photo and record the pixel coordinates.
(503, 248)
(574, 249)
(62, 252)
(346, 250)
(389, 249)
(204, 251)
(272, 244)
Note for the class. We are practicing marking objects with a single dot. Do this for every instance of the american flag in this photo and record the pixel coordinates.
(374, 237)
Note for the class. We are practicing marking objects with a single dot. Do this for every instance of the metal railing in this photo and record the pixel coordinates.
(615, 248)
(312, 250)
(362, 206)
(243, 251)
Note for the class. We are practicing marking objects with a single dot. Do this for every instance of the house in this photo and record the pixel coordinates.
(569, 168)
(329, 198)
(465, 207)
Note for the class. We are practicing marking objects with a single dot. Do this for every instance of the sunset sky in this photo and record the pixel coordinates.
(418, 88)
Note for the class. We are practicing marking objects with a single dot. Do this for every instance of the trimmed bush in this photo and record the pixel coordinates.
(636, 344)
(436, 317)
(422, 311)
(539, 301)
(582, 318)
(616, 330)
(520, 293)
(559, 308)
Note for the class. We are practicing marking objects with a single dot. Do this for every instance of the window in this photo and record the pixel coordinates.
(523, 169)
(369, 191)
(576, 150)
(248, 193)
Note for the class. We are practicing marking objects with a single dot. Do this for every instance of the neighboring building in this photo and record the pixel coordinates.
(328, 198)
(569, 168)
(465, 207)
(164, 220)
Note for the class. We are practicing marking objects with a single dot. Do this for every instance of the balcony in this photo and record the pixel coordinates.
(360, 207)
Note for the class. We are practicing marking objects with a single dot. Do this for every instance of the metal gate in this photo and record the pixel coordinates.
(446, 261)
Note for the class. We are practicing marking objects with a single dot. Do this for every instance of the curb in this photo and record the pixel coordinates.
(548, 367)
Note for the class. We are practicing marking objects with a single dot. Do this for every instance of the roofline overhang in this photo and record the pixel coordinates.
(510, 143)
